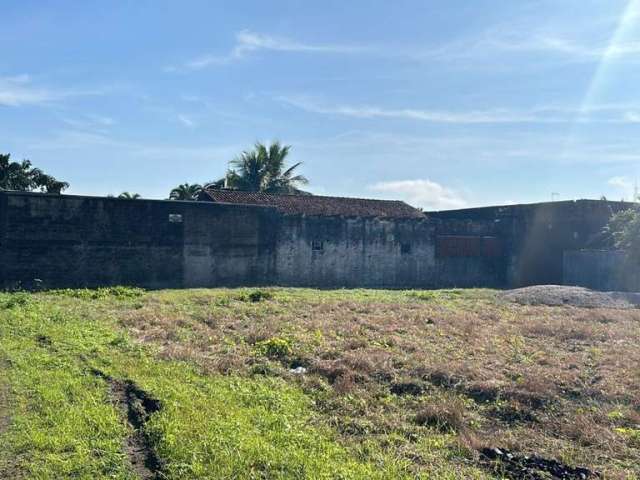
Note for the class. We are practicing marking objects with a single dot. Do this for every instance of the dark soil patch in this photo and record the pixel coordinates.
(44, 341)
(522, 467)
(407, 388)
(443, 379)
(482, 393)
(512, 415)
(138, 406)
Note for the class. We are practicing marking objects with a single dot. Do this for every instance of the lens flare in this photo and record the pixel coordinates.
(598, 84)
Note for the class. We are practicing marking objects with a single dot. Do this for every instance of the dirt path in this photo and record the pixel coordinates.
(5, 418)
(136, 406)
(7, 465)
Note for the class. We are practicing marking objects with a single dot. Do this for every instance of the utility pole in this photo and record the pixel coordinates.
(554, 195)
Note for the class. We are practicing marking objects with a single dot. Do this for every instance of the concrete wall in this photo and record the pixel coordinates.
(228, 245)
(356, 252)
(469, 253)
(75, 241)
(72, 241)
(535, 236)
(605, 270)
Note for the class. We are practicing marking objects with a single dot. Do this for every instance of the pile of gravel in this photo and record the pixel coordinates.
(555, 295)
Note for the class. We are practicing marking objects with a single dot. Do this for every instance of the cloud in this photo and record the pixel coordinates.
(625, 186)
(623, 183)
(248, 42)
(632, 117)
(436, 116)
(491, 43)
(564, 46)
(421, 193)
(610, 113)
(101, 119)
(90, 121)
(186, 121)
(18, 91)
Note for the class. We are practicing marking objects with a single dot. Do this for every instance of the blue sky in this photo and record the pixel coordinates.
(445, 103)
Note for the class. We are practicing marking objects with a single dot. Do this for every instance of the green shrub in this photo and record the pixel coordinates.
(100, 293)
(18, 299)
(275, 347)
(257, 296)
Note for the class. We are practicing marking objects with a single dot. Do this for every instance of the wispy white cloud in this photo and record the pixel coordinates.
(101, 119)
(68, 140)
(491, 43)
(186, 120)
(248, 42)
(611, 113)
(423, 193)
(632, 117)
(90, 121)
(18, 91)
(624, 186)
(558, 38)
(620, 182)
(552, 44)
(436, 116)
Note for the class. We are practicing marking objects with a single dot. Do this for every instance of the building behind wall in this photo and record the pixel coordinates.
(236, 239)
(73, 241)
(535, 236)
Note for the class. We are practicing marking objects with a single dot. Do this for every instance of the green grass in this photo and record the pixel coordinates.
(63, 424)
(398, 384)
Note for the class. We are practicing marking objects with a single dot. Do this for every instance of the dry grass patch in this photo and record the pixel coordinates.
(396, 368)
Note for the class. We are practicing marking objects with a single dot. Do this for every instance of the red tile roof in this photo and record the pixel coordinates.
(316, 205)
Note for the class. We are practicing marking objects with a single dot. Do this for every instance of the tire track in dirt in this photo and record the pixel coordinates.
(136, 406)
(5, 417)
(8, 466)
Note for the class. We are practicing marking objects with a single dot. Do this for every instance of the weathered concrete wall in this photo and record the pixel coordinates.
(74, 241)
(229, 245)
(71, 241)
(600, 270)
(355, 252)
(470, 253)
(77, 241)
(535, 236)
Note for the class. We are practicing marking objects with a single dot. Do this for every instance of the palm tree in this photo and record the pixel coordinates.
(129, 196)
(263, 169)
(185, 191)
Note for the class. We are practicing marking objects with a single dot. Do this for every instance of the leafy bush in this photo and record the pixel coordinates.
(18, 299)
(623, 232)
(257, 296)
(275, 347)
(101, 293)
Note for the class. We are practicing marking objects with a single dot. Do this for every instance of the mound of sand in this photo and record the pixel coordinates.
(554, 295)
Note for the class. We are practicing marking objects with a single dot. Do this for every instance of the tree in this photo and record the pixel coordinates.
(263, 169)
(129, 196)
(185, 191)
(23, 176)
(623, 232)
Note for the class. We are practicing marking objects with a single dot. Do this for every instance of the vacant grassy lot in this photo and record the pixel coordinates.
(292, 383)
